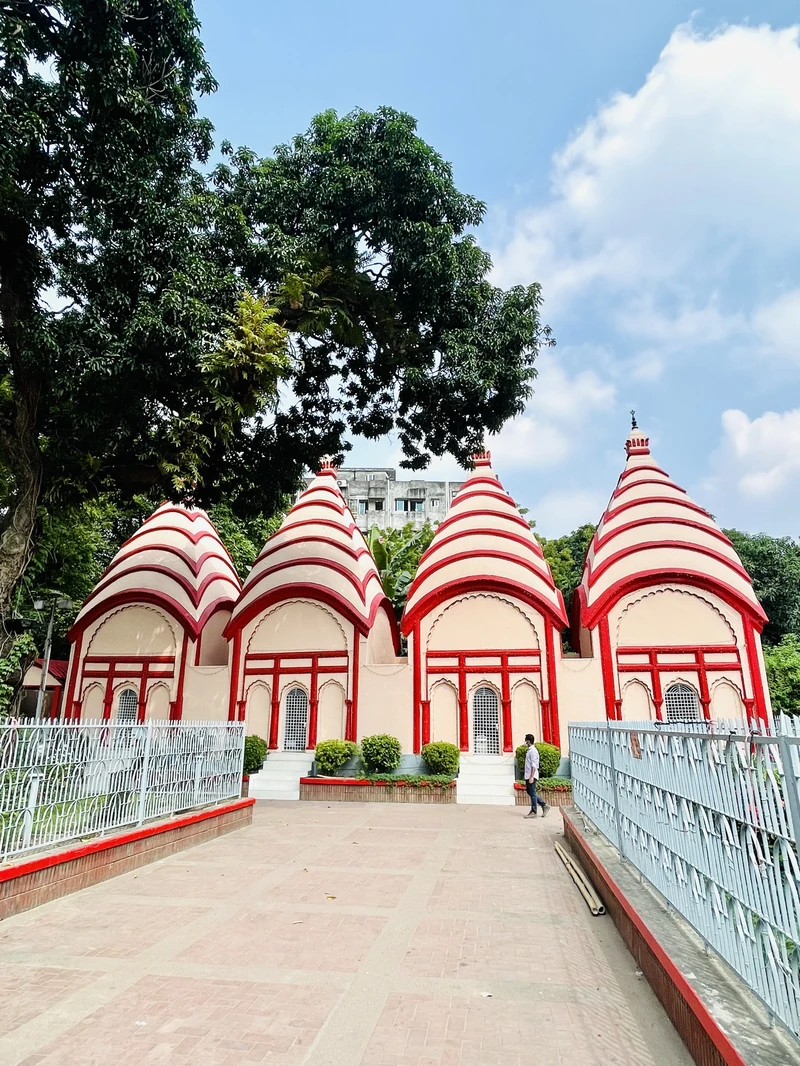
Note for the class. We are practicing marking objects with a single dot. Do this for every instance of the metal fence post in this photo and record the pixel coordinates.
(198, 770)
(615, 793)
(148, 741)
(790, 785)
(30, 809)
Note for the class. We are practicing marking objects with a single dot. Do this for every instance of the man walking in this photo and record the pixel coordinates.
(531, 776)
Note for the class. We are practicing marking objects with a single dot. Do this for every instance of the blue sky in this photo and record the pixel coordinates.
(641, 161)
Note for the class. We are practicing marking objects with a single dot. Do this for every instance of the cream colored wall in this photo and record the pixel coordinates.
(331, 712)
(133, 630)
(213, 646)
(384, 703)
(157, 708)
(380, 644)
(206, 694)
(580, 694)
(297, 625)
(481, 620)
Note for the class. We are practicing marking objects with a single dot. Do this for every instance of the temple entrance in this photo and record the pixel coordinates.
(485, 722)
(295, 727)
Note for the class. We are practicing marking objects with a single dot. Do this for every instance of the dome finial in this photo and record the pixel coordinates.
(634, 423)
(326, 465)
(482, 458)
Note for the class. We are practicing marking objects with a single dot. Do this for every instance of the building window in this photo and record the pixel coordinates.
(485, 722)
(435, 504)
(681, 704)
(127, 707)
(409, 505)
(295, 727)
(379, 505)
(370, 477)
(362, 506)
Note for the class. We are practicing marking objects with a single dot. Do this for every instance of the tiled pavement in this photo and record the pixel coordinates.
(342, 935)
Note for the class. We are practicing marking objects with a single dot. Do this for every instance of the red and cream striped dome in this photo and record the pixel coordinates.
(318, 553)
(484, 544)
(175, 560)
(652, 531)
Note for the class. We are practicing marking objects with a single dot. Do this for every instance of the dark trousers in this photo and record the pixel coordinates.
(535, 797)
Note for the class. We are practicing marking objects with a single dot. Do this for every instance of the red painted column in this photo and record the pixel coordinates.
(552, 685)
(607, 667)
(74, 670)
(353, 716)
(505, 702)
(425, 706)
(547, 728)
(108, 697)
(276, 703)
(463, 712)
(235, 668)
(655, 681)
(416, 696)
(756, 679)
(702, 677)
(313, 703)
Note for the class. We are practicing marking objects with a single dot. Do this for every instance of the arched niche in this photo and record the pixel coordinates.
(298, 625)
(444, 713)
(158, 704)
(526, 712)
(726, 701)
(135, 630)
(482, 620)
(258, 710)
(380, 641)
(637, 704)
(673, 616)
(331, 712)
(92, 703)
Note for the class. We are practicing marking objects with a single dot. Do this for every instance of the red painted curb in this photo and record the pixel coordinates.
(695, 1004)
(9, 873)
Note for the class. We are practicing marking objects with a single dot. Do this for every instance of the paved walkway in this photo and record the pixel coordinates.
(379, 935)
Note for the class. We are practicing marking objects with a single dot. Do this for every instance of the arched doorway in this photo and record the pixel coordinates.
(681, 703)
(127, 707)
(485, 722)
(295, 723)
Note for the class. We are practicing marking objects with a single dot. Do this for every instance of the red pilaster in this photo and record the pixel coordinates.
(756, 679)
(505, 700)
(552, 685)
(607, 667)
(235, 669)
(356, 679)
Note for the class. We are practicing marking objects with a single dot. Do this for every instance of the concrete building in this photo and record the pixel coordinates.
(377, 498)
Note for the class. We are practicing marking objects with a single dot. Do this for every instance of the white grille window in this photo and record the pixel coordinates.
(485, 722)
(128, 706)
(681, 704)
(295, 727)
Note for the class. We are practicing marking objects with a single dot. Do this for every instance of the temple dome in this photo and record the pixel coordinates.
(318, 553)
(175, 560)
(653, 532)
(484, 544)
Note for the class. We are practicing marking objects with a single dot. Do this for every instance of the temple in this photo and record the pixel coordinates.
(664, 626)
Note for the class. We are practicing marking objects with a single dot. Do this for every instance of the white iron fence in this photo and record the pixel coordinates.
(712, 820)
(63, 781)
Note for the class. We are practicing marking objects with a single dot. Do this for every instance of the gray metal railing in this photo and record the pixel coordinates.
(62, 781)
(712, 819)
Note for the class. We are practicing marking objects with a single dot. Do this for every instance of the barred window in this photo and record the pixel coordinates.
(127, 706)
(295, 728)
(485, 722)
(681, 703)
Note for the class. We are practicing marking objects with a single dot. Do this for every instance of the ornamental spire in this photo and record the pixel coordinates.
(637, 442)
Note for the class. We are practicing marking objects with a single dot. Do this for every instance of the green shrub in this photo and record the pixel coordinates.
(423, 780)
(441, 757)
(255, 752)
(331, 755)
(554, 784)
(381, 753)
(549, 758)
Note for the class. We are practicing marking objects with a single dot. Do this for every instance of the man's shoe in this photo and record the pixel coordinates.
(546, 811)
(531, 814)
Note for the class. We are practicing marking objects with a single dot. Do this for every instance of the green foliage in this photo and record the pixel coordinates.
(549, 758)
(12, 667)
(554, 784)
(381, 753)
(422, 780)
(397, 553)
(245, 537)
(782, 663)
(566, 556)
(441, 757)
(331, 755)
(255, 752)
(774, 565)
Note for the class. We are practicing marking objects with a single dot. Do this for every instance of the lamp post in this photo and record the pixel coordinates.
(39, 605)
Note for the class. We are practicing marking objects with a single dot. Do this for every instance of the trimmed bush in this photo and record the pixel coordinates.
(331, 755)
(255, 752)
(549, 758)
(420, 780)
(441, 757)
(555, 784)
(381, 753)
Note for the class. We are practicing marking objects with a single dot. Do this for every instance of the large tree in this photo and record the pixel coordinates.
(774, 565)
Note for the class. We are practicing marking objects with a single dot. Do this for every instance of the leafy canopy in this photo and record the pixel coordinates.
(774, 565)
(782, 662)
(397, 553)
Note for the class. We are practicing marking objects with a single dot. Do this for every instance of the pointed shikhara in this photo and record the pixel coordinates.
(311, 608)
(667, 605)
(483, 620)
(161, 605)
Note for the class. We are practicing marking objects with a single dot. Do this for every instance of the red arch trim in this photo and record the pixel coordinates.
(149, 530)
(326, 564)
(510, 516)
(195, 564)
(712, 531)
(644, 466)
(194, 592)
(699, 549)
(132, 597)
(500, 494)
(727, 593)
(485, 554)
(333, 505)
(484, 583)
(348, 549)
(646, 481)
(644, 500)
(532, 545)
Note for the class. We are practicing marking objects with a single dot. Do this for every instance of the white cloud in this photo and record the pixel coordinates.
(777, 327)
(760, 457)
(554, 425)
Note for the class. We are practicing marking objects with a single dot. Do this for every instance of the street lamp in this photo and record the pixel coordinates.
(39, 605)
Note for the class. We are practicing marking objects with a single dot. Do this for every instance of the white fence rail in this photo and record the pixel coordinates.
(63, 781)
(712, 820)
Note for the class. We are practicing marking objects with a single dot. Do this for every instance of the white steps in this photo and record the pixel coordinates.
(486, 779)
(279, 777)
